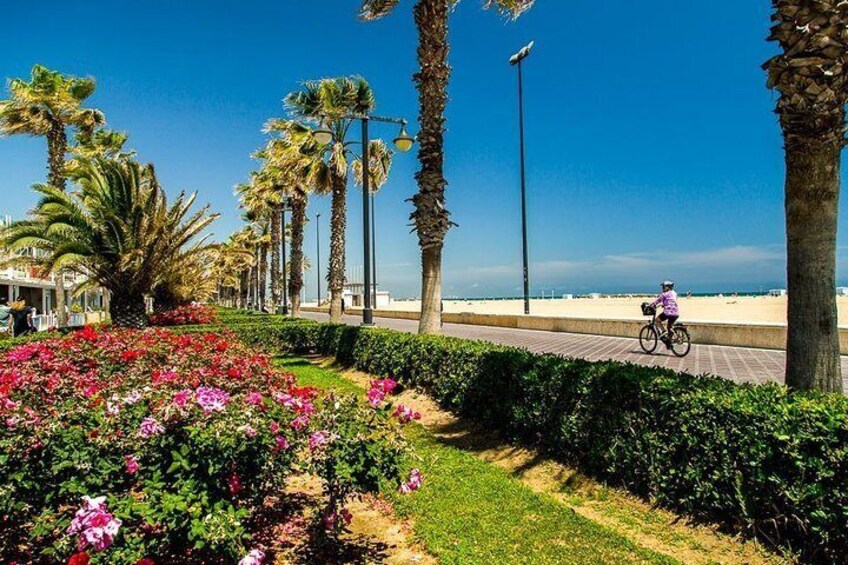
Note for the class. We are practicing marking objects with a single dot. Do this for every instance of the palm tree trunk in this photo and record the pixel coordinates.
(276, 238)
(812, 198)
(57, 147)
(263, 274)
(296, 270)
(338, 221)
(127, 310)
(432, 220)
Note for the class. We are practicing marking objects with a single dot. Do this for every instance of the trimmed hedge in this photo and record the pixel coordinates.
(754, 458)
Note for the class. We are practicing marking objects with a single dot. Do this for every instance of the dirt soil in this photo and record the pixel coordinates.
(650, 527)
(375, 535)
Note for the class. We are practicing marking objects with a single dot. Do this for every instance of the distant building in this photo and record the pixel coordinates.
(777, 292)
(842, 291)
(40, 292)
(353, 294)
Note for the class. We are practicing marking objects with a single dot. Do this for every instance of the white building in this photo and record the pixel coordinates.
(777, 292)
(353, 295)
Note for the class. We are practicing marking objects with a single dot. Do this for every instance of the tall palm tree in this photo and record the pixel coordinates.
(297, 158)
(328, 102)
(118, 230)
(811, 75)
(430, 217)
(47, 106)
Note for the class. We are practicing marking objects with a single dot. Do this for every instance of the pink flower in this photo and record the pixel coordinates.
(132, 464)
(405, 414)
(300, 422)
(375, 397)
(132, 398)
(95, 525)
(253, 398)
(253, 557)
(386, 385)
(318, 440)
(274, 427)
(113, 408)
(212, 399)
(249, 430)
(182, 398)
(281, 443)
(150, 427)
(12, 422)
(416, 479)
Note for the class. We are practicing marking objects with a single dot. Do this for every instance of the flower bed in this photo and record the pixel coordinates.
(184, 316)
(153, 447)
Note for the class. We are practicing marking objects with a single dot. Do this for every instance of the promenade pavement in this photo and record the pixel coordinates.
(739, 364)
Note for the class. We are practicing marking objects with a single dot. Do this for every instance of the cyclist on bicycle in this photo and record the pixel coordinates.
(670, 312)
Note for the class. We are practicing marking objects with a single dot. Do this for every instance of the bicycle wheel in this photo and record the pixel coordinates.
(648, 339)
(682, 343)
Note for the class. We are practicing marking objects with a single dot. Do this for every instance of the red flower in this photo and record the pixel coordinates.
(79, 559)
(234, 483)
(145, 561)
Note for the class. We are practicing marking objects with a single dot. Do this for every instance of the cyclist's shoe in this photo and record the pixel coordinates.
(666, 340)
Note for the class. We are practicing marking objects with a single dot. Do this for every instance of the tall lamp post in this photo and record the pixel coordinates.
(515, 60)
(284, 310)
(404, 143)
(318, 252)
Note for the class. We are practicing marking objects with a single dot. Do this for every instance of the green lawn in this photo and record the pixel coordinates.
(470, 511)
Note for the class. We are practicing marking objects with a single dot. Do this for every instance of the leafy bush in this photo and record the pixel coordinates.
(184, 316)
(754, 458)
(132, 445)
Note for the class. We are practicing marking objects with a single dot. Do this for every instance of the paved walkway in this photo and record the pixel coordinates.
(739, 364)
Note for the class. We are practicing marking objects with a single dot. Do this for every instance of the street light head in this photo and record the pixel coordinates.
(523, 54)
(322, 135)
(404, 141)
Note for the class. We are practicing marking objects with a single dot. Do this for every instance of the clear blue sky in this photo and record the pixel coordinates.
(653, 151)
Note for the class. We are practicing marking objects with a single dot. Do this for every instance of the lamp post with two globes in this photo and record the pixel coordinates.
(404, 143)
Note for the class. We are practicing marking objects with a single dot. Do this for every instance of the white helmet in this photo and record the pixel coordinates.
(667, 285)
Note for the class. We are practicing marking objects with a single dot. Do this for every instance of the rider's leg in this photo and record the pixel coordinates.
(671, 320)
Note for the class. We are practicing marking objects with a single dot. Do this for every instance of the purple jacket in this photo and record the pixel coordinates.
(669, 303)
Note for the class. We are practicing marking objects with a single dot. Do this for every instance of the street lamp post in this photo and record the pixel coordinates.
(285, 308)
(404, 143)
(516, 60)
(318, 252)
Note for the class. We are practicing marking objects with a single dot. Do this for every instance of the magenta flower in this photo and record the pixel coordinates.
(212, 399)
(254, 557)
(416, 479)
(253, 398)
(281, 443)
(248, 430)
(94, 524)
(274, 427)
(300, 422)
(182, 398)
(318, 440)
(150, 427)
(405, 414)
(132, 464)
(375, 397)
(332, 519)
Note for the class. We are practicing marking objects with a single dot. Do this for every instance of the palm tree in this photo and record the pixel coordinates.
(117, 230)
(430, 217)
(329, 102)
(47, 106)
(297, 158)
(102, 142)
(811, 75)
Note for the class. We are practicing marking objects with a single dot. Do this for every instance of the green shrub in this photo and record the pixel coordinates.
(757, 459)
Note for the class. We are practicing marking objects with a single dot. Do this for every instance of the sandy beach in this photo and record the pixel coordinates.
(748, 309)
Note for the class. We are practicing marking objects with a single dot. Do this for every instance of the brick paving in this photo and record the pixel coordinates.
(739, 364)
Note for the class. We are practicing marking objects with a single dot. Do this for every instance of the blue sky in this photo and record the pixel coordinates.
(652, 148)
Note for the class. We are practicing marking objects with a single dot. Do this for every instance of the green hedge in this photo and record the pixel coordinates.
(756, 459)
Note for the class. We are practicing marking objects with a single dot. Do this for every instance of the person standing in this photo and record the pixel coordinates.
(22, 315)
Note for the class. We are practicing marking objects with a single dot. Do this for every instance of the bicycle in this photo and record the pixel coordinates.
(653, 333)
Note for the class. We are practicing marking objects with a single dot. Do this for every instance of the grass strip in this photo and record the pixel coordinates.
(470, 511)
